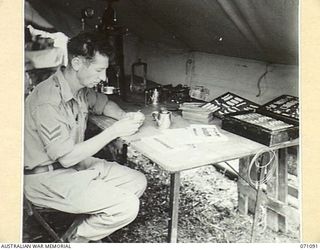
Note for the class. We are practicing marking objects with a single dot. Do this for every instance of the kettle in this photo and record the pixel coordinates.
(163, 118)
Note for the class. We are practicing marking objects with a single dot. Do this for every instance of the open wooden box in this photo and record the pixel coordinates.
(266, 125)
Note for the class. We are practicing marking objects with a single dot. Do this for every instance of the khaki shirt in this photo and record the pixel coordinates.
(55, 120)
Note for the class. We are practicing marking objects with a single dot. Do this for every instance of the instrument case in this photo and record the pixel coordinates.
(273, 123)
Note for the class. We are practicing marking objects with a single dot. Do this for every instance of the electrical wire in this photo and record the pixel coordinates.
(263, 176)
(262, 168)
(259, 80)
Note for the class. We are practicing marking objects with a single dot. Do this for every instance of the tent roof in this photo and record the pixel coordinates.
(264, 30)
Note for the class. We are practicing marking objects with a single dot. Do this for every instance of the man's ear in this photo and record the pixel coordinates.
(76, 63)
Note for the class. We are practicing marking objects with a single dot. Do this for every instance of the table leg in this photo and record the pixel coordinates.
(246, 194)
(277, 189)
(173, 207)
(256, 209)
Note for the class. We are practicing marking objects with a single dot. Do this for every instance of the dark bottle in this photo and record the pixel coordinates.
(138, 83)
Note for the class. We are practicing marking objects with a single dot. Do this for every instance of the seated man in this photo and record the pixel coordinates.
(60, 171)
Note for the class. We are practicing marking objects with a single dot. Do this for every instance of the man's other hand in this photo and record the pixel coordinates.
(100, 168)
(137, 116)
(125, 127)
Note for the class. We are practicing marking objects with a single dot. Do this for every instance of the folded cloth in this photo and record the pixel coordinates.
(47, 58)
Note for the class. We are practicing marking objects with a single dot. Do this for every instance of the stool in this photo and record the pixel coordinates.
(37, 212)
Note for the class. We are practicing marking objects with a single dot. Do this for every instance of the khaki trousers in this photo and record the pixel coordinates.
(107, 191)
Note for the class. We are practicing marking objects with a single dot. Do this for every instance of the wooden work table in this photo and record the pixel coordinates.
(236, 147)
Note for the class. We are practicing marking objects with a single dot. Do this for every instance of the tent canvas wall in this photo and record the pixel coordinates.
(230, 43)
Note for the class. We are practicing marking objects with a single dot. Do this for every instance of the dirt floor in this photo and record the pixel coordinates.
(208, 213)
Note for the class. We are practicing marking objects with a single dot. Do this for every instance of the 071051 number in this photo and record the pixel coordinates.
(310, 245)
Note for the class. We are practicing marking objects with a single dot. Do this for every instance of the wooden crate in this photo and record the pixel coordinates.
(229, 103)
(259, 133)
(283, 109)
(280, 212)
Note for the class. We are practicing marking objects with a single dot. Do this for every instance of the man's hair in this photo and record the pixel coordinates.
(87, 44)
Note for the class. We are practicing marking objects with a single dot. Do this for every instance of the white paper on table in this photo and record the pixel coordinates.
(178, 137)
(165, 144)
(207, 132)
(171, 141)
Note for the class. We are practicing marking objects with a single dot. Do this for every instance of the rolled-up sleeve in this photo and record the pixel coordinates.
(96, 101)
(53, 131)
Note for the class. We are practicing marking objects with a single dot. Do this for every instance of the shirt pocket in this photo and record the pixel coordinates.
(67, 116)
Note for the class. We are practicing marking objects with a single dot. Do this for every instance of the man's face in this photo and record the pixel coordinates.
(91, 73)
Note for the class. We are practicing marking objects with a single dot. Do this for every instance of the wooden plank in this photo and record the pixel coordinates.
(272, 219)
(278, 191)
(277, 214)
(174, 207)
(282, 223)
(283, 176)
(242, 203)
(283, 186)
(72, 228)
(293, 191)
(45, 224)
(247, 198)
(243, 169)
(243, 198)
(272, 192)
(255, 215)
(245, 192)
(272, 185)
(293, 202)
(283, 210)
(226, 171)
(298, 167)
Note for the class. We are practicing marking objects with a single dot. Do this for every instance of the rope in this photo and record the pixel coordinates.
(256, 161)
(263, 176)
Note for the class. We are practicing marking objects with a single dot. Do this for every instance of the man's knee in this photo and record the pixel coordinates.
(142, 180)
(141, 183)
(132, 205)
(127, 209)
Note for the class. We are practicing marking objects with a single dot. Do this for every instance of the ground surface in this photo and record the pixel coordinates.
(208, 213)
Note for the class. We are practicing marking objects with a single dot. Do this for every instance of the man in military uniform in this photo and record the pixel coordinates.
(60, 171)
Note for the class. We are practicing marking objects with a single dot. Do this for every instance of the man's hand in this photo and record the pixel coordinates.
(125, 127)
(100, 168)
(137, 116)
